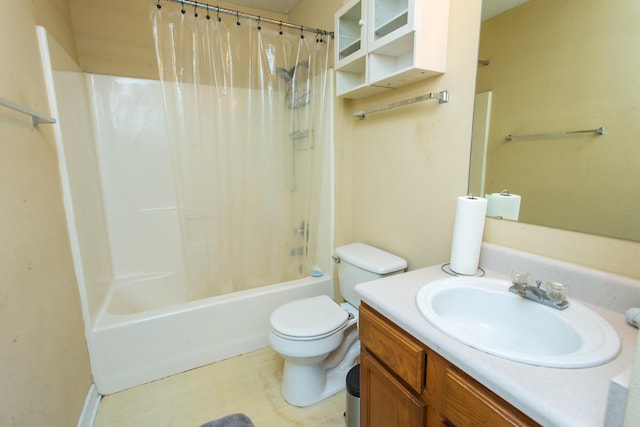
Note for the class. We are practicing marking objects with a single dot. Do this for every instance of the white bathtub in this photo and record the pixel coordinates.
(129, 348)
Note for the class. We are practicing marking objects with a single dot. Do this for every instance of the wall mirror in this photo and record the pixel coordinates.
(551, 73)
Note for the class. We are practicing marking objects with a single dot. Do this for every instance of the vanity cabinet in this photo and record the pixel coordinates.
(382, 44)
(405, 383)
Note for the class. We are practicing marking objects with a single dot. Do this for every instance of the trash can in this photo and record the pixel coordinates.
(353, 397)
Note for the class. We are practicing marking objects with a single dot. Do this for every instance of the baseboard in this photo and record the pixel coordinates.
(90, 408)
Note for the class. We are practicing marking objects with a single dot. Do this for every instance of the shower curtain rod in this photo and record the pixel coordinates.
(237, 14)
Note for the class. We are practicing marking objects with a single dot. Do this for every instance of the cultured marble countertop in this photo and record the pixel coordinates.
(551, 396)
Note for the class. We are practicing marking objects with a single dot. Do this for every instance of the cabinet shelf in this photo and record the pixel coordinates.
(350, 48)
(392, 24)
(351, 80)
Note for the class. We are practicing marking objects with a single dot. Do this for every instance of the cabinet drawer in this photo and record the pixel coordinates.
(393, 348)
(467, 403)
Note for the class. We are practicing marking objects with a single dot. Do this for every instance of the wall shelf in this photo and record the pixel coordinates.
(402, 41)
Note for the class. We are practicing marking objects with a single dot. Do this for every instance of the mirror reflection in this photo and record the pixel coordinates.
(548, 71)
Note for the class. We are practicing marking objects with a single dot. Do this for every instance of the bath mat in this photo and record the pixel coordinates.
(233, 420)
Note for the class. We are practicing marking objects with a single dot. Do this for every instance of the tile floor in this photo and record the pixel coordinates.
(249, 383)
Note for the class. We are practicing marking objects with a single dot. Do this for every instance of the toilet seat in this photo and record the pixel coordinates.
(309, 319)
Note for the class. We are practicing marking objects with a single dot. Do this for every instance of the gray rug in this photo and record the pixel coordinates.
(233, 420)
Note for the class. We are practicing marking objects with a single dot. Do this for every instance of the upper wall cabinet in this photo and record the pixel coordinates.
(351, 38)
(382, 44)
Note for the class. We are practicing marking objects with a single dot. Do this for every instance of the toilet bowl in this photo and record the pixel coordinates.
(317, 337)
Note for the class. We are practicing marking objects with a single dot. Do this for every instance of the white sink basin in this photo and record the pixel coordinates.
(482, 313)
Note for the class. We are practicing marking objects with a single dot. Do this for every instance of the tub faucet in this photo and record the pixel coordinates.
(302, 229)
(553, 295)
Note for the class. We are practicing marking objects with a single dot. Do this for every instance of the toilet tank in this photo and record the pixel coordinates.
(360, 263)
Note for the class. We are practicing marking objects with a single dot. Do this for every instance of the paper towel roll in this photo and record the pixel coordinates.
(467, 234)
(504, 205)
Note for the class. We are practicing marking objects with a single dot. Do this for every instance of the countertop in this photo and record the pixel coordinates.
(551, 396)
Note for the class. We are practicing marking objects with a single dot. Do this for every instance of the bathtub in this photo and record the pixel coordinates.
(129, 347)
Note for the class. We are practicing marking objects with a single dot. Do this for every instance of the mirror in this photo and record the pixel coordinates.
(554, 68)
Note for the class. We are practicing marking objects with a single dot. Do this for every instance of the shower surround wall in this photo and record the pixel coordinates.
(125, 236)
(136, 182)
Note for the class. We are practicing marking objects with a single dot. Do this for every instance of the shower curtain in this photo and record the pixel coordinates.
(247, 110)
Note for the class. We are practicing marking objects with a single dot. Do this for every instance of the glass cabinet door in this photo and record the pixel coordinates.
(350, 32)
(388, 16)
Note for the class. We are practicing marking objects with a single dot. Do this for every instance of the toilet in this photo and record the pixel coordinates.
(317, 337)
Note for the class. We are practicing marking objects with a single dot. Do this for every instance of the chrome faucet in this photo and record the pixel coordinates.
(553, 295)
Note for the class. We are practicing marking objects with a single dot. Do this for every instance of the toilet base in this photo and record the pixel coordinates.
(307, 384)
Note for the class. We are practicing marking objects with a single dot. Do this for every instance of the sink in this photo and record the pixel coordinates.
(480, 312)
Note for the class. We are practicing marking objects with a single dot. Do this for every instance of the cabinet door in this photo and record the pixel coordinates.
(350, 33)
(388, 20)
(384, 401)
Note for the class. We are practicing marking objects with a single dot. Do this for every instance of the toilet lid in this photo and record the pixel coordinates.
(308, 317)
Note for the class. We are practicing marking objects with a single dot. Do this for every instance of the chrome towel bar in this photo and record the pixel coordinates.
(36, 118)
(597, 131)
(442, 97)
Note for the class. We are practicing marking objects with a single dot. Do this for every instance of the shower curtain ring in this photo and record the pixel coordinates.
(208, 15)
(182, 8)
(218, 15)
(195, 9)
(280, 31)
(237, 18)
(259, 27)
(158, 5)
(301, 32)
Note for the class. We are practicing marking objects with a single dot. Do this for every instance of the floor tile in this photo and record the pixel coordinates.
(249, 384)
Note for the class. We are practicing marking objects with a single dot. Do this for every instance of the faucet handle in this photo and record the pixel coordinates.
(557, 292)
(520, 277)
(520, 280)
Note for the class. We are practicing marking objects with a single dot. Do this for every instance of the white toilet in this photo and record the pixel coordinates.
(317, 337)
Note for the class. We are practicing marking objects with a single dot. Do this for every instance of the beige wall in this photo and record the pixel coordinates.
(404, 168)
(565, 75)
(318, 14)
(613, 255)
(44, 368)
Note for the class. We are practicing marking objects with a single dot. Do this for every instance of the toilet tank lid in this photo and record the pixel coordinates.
(371, 259)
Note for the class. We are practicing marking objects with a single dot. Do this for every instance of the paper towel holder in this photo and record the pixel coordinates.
(447, 269)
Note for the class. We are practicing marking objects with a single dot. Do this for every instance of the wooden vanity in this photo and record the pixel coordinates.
(412, 374)
(405, 383)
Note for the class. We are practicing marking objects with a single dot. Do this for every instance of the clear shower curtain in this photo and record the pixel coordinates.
(247, 112)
